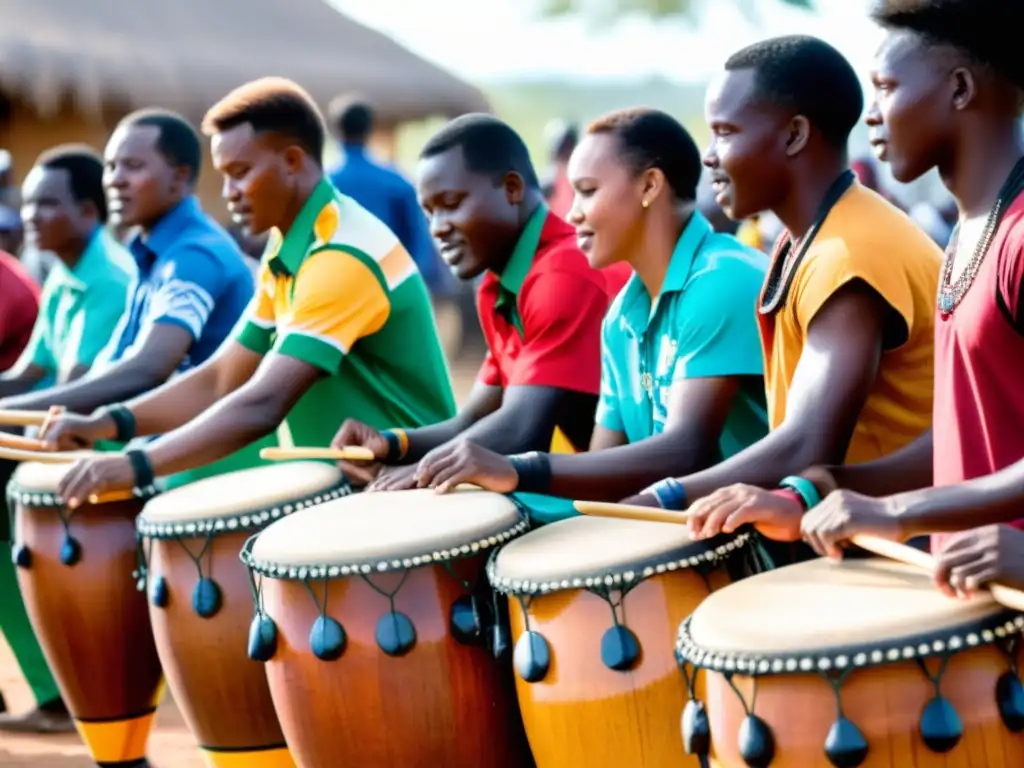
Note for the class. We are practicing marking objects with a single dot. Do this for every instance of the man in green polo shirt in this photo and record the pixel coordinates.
(341, 323)
(64, 210)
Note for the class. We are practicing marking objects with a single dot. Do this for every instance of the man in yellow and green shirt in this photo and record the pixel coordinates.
(341, 324)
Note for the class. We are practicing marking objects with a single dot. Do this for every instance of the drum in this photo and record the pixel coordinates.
(201, 601)
(858, 663)
(594, 605)
(377, 634)
(75, 574)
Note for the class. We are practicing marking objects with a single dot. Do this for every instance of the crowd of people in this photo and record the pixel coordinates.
(852, 379)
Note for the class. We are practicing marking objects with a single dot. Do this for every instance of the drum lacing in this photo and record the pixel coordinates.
(466, 621)
(1009, 691)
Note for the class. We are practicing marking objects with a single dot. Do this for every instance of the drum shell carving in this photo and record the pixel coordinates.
(583, 713)
(442, 703)
(884, 702)
(223, 695)
(91, 621)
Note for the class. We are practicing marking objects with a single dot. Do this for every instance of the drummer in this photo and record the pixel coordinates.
(947, 96)
(540, 303)
(333, 276)
(697, 393)
(846, 312)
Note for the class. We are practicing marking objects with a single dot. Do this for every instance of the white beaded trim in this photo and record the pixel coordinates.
(241, 521)
(279, 571)
(985, 632)
(43, 499)
(622, 577)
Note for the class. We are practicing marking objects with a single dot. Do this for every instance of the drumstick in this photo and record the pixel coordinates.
(44, 457)
(630, 512)
(110, 496)
(54, 412)
(1002, 594)
(23, 418)
(22, 443)
(349, 452)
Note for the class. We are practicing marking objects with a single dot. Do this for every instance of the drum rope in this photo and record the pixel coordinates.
(196, 559)
(321, 608)
(384, 593)
(143, 559)
(748, 709)
(256, 589)
(936, 679)
(836, 682)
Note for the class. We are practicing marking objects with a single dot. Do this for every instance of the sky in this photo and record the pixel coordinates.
(495, 40)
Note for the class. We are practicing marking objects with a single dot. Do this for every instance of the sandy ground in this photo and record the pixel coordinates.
(170, 744)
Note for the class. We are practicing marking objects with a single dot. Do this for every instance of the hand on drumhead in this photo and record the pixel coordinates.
(445, 467)
(69, 432)
(725, 510)
(845, 514)
(401, 478)
(975, 558)
(356, 433)
(95, 476)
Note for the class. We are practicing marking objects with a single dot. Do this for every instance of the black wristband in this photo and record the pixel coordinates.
(145, 477)
(534, 470)
(124, 420)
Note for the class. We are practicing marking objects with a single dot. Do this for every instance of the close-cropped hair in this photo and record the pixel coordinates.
(84, 167)
(178, 141)
(489, 146)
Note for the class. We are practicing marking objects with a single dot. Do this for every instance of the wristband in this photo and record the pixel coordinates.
(791, 495)
(670, 493)
(124, 421)
(534, 470)
(803, 488)
(398, 445)
(145, 477)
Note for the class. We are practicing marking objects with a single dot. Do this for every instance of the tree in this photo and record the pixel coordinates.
(653, 8)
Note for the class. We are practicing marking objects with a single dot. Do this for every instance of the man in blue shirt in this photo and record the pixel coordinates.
(192, 284)
(383, 191)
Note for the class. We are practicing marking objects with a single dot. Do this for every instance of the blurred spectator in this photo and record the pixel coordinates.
(867, 174)
(383, 191)
(713, 212)
(937, 221)
(11, 231)
(8, 189)
(562, 139)
(252, 246)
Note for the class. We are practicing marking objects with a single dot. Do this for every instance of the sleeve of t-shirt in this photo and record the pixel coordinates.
(96, 323)
(561, 314)
(489, 374)
(608, 413)
(1011, 280)
(339, 297)
(188, 290)
(255, 329)
(716, 331)
(833, 266)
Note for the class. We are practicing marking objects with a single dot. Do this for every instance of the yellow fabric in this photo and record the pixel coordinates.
(262, 758)
(560, 443)
(116, 741)
(865, 238)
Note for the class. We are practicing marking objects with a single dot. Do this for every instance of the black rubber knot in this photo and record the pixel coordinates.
(22, 556)
(70, 551)
(465, 622)
(620, 648)
(159, 595)
(531, 657)
(262, 638)
(327, 639)
(941, 727)
(696, 728)
(206, 598)
(1010, 700)
(756, 742)
(396, 634)
(845, 745)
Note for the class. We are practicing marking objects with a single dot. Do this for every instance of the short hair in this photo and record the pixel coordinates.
(490, 147)
(980, 29)
(178, 141)
(84, 167)
(810, 77)
(650, 138)
(354, 120)
(271, 104)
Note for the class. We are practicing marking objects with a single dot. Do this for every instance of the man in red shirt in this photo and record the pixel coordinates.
(948, 82)
(18, 310)
(540, 305)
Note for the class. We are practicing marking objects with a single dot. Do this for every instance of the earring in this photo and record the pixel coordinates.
(645, 204)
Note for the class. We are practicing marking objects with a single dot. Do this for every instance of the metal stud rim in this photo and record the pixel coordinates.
(51, 499)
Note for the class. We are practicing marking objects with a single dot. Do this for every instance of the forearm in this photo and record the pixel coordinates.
(15, 385)
(615, 473)
(84, 396)
(176, 402)
(425, 439)
(909, 469)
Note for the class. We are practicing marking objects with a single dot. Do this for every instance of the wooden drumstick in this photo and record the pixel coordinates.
(108, 497)
(54, 412)
(1002, 594)
(349, 453)
(45, 457)
(22, 443)
(630, 512)
(23, 418)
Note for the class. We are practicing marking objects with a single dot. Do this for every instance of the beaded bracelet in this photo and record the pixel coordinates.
(398, 444)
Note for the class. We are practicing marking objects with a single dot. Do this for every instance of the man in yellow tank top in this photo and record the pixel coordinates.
(846, 312)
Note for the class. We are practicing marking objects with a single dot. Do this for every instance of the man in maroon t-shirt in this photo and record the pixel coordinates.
(539, 301)
(18, 309)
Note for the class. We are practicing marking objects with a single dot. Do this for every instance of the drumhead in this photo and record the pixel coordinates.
(593, 551)
(245, 499)
(35, 483)
(380, 531)
(824, 615)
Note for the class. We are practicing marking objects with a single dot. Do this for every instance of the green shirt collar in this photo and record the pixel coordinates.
(286, 252)
(92, 264)
(521, 260)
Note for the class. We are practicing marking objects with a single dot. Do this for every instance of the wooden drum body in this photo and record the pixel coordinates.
(75, 574)
(858, 663)
(200, 599)
(378, 639)
(594, 605)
